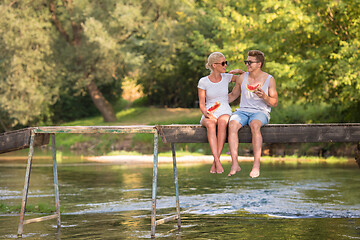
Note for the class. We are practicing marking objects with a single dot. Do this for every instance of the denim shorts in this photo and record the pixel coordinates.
(245, 118)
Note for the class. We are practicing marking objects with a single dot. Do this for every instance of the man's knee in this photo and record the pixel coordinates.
(234, 126)
(255, 125)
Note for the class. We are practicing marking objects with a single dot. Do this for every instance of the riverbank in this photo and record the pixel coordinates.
(166, 158)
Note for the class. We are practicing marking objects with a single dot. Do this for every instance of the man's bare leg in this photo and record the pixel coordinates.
(255, 126)
(233, 138)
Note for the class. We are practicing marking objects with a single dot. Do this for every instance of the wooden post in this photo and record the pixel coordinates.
(56, 182)
(26, 184)
(176, 186)
(154, 184)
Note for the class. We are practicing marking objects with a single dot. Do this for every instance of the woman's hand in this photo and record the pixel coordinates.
(235, 71)
(210, 115)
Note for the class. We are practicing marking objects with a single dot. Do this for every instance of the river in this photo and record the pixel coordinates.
(290, 200)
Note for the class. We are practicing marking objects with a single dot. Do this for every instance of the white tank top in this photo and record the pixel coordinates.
(250, 102)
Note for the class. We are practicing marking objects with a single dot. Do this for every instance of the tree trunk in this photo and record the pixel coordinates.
(101, 103)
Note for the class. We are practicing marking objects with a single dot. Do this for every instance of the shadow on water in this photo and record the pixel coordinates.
(109, 201)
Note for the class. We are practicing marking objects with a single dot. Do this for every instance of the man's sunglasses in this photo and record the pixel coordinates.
(222, 63)
(249, 62)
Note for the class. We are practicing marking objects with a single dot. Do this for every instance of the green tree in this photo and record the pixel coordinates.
(311, 48)
(56, 48)
(27, 82)
(175, 51)
(92, 44)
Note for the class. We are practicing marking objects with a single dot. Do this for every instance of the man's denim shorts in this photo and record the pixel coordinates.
(245, 118)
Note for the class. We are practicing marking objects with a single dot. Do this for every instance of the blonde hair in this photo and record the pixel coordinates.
(213, 58)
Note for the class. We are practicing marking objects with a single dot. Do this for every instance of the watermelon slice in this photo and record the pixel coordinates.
(252, 88)
(214, 107)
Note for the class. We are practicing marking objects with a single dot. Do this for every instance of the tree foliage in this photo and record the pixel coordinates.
(27, 83)
(53, 52)
(311, 48)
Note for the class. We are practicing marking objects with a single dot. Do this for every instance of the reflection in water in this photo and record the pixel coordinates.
(300, 201)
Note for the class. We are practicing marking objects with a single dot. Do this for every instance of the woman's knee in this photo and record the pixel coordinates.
(210, 125)
(223, 122)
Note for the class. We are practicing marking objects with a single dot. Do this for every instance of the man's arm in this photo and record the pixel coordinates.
(272, 98)
(235, 93)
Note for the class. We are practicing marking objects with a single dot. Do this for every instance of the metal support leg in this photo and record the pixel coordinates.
(56, 182)
(154, 186)
(357, 154)
(26, 184)
(176, 186)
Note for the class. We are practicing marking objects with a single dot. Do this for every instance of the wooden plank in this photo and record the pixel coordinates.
(20, 139)
(40, 219)
(272, 133)
(96, 129)
(167, 219)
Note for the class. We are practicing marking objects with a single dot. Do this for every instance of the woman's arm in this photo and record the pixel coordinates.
(236, 71)
(203, 109)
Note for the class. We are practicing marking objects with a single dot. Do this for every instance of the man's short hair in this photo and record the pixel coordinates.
(260, 56)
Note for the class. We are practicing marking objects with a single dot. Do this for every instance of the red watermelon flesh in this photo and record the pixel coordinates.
(214, 107)
(252, 88)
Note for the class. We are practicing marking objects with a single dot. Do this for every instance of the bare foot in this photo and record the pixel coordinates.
(219, 168)
(234, 170)
(213, 168)
(255, 172)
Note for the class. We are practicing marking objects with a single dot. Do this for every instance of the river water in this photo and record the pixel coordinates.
(290, 200)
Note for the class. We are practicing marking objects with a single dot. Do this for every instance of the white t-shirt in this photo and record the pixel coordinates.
(217, 92)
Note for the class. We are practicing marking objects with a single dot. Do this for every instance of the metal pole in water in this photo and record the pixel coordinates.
(176, 185)
(56, 182)
(26, 184)
(154, 184)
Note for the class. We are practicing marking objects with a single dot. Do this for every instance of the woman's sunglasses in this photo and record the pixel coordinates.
(222, 63)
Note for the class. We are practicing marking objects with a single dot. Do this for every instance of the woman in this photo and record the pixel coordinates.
(212, 89)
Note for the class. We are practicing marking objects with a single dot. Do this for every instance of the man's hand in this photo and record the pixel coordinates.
(260, 93)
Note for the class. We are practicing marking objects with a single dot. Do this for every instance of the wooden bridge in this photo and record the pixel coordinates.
(272, 133)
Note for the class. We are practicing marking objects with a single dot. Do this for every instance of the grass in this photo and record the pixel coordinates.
(38, 208)
(132, 116)
(127, 153)
(143, 143)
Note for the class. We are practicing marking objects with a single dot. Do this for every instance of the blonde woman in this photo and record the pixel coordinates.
(213, 94)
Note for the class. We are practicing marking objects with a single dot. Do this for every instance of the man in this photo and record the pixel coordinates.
(254, 109)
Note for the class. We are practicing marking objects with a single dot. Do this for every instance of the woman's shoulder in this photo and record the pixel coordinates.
(204, 78)
(227, 76)
(203, 82)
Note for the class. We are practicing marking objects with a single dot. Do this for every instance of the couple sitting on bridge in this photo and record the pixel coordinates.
(258, 95)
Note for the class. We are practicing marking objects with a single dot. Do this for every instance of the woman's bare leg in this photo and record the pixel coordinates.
(223, 121)
(233, 138)
(210, 125)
